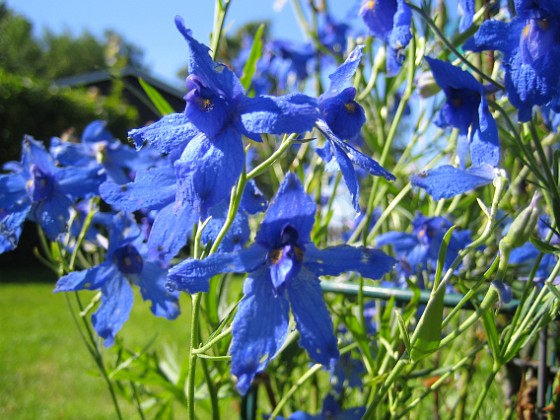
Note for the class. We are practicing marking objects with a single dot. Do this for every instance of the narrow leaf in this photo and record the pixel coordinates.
(254, 55)
(427, 335)
(159, 101)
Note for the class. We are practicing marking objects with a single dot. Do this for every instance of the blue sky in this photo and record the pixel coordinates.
(149, 23)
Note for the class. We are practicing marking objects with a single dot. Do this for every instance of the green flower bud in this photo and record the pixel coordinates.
(522, 227)
(427, 85)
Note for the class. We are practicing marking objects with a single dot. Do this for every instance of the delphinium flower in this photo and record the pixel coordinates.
(342, 118)
(125, 264)
(333, 35)
(419, 250)
(389, 20)
(289, 62)
(42, 192)
(97, 147)
(155, 190)
(530, 44)
(466, 10)
(283, 267)
(205, 141)
(466, 110)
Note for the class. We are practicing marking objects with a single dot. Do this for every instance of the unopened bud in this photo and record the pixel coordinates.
(427, 85)
(522, 227)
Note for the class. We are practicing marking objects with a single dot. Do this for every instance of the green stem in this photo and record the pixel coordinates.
(210, 343)
(286, 143)
(485, 390)
(302, 380)
(194, 342)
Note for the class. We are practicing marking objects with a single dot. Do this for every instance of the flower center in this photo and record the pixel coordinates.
(129, 260)
(40, 185)
(207, 109)
(285, 261)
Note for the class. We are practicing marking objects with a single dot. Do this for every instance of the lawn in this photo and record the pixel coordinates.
(45, 367)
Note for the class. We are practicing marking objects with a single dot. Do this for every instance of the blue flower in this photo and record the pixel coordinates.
(98, 147)
(419, 250)
(331, 411)
(40, 191)
(343, 118)
(124, 264)
(205, 141)
(283, 266)
(389, 20)
(530, 44)
(466, 110)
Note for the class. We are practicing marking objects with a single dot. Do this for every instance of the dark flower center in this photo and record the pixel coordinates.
(208, 110)
(129, 260)
(285, 261)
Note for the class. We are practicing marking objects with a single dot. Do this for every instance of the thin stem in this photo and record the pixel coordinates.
(485, 390)
(286, 143)
(194, 342)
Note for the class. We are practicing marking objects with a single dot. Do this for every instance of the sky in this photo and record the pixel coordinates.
(149, 23)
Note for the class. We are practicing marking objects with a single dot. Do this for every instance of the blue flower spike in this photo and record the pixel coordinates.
(283, 267)
(205, 141)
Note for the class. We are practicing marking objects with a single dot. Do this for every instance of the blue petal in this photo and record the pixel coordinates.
(11, 225)
(67, 153)
(485, 144)
(344, 73)
(290, 206)
(91, 279)
(253, 200)
(447, 181)
(151, 189)
(168, 134)
(79, 182)
(217, 77)
(96, 131)
(312, 317)
(355, 156)
(171, 231)
(348, 173)
(332, 261)
(192, 275)
(116, 303)
(378, 16)
(260, 327)
(237, 234)
(294, 113)
(52, 214)
(466, 10)
(34, 153)
(447, 76)
(401, 242)
(208, 169)
(496, 35)
(152, 287)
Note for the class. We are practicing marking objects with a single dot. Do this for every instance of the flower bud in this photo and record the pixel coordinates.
(427, 85)
(522, 227)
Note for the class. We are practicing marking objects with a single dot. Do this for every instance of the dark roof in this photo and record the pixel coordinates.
(135, 95)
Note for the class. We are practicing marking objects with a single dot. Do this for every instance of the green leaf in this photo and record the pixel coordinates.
(159, 101)
(492, 334)
(427, 335)
(403, 331)
(251, 64)
(545, 247)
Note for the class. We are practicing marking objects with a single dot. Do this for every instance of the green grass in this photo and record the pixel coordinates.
(45, 369)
